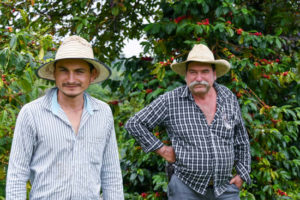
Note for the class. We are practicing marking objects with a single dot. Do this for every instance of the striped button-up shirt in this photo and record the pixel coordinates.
(59, 163)
(203, 152)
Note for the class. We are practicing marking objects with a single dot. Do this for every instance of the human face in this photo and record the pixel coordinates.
(73, 76)
(200, 78)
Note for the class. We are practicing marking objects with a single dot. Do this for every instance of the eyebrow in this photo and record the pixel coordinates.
(63, 67)
(90, 66)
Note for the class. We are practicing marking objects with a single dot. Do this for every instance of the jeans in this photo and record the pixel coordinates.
(177, 190)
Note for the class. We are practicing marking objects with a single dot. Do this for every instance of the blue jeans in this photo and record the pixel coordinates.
(177, 190)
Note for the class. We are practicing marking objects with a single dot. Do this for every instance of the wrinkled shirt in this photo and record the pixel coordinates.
(60, 164)
(203, 152)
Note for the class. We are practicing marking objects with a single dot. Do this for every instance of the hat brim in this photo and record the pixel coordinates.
(46, 71)
(222, 66)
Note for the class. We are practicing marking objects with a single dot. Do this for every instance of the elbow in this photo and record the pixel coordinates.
(130, 125)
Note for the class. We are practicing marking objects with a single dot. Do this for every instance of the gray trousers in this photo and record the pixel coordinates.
(177, 190)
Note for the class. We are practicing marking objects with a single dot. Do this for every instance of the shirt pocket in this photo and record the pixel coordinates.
(226, 125)
(94, 149)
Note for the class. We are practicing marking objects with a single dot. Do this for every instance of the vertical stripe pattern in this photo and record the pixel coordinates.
(60, 164)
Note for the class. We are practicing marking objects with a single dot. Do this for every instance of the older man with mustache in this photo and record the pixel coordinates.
(204, 123)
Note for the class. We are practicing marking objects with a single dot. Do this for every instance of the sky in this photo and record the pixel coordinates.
(132, 48)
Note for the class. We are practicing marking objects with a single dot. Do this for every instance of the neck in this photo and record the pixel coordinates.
(70, 103)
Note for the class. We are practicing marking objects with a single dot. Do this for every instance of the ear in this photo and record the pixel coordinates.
(215, 75)
(53, 71)
(94, 75)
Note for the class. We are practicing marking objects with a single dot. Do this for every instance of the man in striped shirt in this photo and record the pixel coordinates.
(64, 142)
(204, 124)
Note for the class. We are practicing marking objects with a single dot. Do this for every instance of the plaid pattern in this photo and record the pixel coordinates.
(203, 152)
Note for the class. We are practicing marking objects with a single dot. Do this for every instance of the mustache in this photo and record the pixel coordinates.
(194, 83)
(70, 84)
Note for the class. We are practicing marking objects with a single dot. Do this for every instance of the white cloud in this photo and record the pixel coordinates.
(132, 48)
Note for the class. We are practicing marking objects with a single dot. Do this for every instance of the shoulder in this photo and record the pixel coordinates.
(224, 91)
(31, 110)
(41, 103)
(175, 93)
(99, 105)
(34, 105)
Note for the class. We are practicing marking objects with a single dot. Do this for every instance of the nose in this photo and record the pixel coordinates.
(71, 77)
(199, 77)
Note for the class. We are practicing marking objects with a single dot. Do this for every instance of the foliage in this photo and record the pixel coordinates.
(259, 37)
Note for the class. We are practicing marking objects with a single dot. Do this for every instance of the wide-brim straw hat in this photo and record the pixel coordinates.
(75, 47)
(201, 53)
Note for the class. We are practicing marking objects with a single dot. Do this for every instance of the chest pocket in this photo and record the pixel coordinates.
(94, 148)
(225, 126)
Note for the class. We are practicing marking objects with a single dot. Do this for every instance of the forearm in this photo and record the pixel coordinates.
(143, 135)
(143, 122)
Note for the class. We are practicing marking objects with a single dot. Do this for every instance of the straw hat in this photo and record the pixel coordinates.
(77, 48)
(201, 53)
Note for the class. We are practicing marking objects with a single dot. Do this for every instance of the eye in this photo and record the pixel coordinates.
(62, 69)
(80, 71)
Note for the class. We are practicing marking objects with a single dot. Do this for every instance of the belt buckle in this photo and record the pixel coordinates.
(211, 183)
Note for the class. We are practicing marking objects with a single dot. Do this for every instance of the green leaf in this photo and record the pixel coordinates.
(24, 15)
(148, 27)
(284, 174)
(218, 11)
(241, 40)
(296, 162)
(230, 31)
(24, 84)
(4, 116)
(115, 11)
(157, 92)
(278, 43)
(198, 30)
(205, 7)
(41, 53)
(286, 138)
(141, 86)
(219, 26)
(152, 82)
(170, 27)
(133, 176)
(79, 27)
(13, 42)
(279, 31)
(155, 28)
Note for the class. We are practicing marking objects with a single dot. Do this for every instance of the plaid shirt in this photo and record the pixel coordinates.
(203, 152)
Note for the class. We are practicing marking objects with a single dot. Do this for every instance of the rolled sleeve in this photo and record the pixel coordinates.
(143, 122)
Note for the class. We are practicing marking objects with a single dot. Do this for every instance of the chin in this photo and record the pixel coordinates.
(71, 94)
(200, 92)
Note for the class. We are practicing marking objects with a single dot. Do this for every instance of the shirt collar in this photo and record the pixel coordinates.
(55, 107)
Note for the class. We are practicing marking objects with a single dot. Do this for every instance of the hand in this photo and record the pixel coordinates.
(237, 180)
(167, 152)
